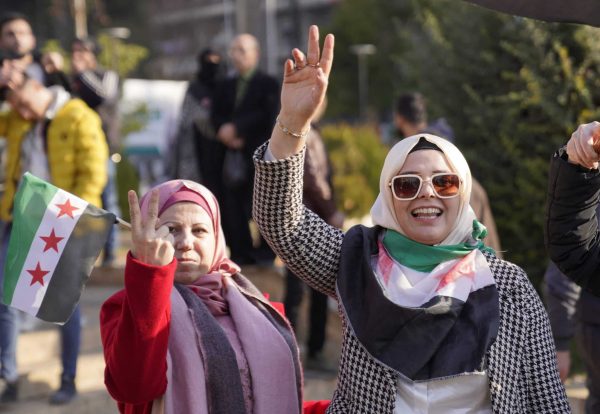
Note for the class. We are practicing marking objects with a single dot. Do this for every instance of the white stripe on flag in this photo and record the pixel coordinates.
(28, 297)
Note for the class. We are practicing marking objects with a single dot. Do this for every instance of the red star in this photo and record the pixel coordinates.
(38, 275)
(51, 241)
(66, 208)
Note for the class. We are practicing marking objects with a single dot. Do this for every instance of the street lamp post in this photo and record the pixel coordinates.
(80, 15)
(228, 10)
(362, 51)
(271, 34)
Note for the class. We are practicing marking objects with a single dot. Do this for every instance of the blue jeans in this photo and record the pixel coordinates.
(70, 336)
(9, 328)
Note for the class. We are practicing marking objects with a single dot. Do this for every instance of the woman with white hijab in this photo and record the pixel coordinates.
(433, 321)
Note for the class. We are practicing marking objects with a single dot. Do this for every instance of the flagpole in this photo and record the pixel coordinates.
(123, 223)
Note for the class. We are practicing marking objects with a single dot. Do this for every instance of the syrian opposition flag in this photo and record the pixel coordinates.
(568, 11)
(55, 239)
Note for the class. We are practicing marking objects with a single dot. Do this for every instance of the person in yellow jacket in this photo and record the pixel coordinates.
(59, 139)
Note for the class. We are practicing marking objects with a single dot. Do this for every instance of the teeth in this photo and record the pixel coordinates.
(426, 211)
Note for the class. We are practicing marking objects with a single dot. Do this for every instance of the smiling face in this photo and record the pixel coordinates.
(192, 230)
(427, 219)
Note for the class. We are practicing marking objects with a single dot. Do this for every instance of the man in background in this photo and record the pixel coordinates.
(244, 109)
(18, 46)
(58, 139)
(99, 89)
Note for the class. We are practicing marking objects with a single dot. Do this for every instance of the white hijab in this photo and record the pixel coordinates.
(382, 211)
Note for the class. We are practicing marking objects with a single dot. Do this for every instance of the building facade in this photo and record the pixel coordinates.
(180, 29)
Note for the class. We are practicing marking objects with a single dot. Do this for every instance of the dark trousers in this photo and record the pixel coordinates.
(588, 342)
(294, 290)
(236, 211)
(70, 336)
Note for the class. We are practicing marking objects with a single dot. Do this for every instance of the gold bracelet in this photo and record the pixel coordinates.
(294, 134)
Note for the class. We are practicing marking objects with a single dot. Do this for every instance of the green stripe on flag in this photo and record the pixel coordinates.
(31, 201)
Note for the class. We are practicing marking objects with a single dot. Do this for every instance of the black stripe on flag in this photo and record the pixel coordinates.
(75, 264)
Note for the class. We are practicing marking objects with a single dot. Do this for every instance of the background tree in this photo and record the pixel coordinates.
(513, 89)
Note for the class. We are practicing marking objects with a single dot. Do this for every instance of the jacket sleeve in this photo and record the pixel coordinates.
(561, 296)
(97, 87)
(545, 391)
(3, 124)
(571, 228)
(260, 116)
(306, 243)
(222, 105)
(317, 191)
(91, 154)
(134, 326)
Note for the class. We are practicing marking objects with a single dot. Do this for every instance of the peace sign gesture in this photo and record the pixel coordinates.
(305, 80)
(148, 244)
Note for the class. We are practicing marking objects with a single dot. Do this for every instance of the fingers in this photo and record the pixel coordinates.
(313, 52)
(152, 215)
(134, 211)
(326, 61)
(581, 146)
(585, 143)
(288, 68)
(575, 149)
(595, 127)
(162, 232)
(299, 59)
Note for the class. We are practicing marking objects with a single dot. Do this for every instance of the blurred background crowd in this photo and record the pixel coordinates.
(170, 80)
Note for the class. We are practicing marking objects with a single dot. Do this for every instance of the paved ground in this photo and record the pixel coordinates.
(39, 364)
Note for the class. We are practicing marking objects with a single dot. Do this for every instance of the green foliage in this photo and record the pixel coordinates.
(122, 57)
(115, 54)
(357, 156)
(135, 119)
(127, 178)
(513, 89)
(53, 45)
(359, 22)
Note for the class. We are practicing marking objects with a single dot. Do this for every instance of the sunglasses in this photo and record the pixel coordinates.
(408, 186)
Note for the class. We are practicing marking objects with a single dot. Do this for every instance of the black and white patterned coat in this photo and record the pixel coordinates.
(521, 363)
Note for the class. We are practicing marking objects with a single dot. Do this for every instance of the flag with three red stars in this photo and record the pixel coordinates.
(55, 240)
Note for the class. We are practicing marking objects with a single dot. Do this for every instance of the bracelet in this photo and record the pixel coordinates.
(294, 134)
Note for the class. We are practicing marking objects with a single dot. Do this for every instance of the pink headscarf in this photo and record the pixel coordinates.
(176, 191)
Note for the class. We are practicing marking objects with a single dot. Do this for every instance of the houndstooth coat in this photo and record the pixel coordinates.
(521, 362)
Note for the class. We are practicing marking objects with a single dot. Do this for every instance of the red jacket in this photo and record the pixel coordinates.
(135, 335)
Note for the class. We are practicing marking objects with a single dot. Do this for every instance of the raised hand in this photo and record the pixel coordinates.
(305, 79)
(148, 244)
(11, 74)
(584, 146)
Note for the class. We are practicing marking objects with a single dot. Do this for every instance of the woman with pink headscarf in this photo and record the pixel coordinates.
(189, 333)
